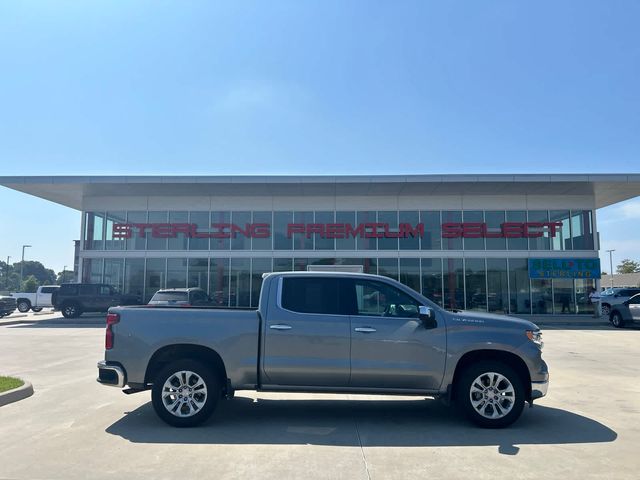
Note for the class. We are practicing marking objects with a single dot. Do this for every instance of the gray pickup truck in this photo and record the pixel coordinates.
(325, 332)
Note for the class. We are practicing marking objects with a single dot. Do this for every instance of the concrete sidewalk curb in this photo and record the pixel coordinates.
(15, 322)
(16, 394)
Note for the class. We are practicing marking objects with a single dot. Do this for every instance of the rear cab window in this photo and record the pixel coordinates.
(311, 295)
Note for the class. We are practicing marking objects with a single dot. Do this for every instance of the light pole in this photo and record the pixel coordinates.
(6, 272)
(611, 265)
(22, 263)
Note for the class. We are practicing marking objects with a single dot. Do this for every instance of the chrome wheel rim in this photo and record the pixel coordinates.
(23, 307)
(184, 393)
(616, 320)
(492, 395)
(605, 310)
(70, 310)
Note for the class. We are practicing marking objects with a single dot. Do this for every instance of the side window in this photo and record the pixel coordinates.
(310, 295)
(69, 290)
(635, 300)
(47, 289)
(104, 290)
(87, 290)
(382, 300)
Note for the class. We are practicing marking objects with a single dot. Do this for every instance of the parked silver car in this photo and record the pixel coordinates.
(615, 296)
(625, 313)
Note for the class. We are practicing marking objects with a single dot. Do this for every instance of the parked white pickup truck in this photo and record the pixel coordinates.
(35, 301)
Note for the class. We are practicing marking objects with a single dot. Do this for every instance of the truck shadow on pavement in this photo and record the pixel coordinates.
(374, 423)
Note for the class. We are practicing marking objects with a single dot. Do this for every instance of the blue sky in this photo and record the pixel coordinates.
(298, 87)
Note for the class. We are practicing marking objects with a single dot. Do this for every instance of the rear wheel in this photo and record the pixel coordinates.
(71, 310)
(616, 319)
(24, 305)
(185, 393)
(605, 309)
(36, 309)
(491, 394)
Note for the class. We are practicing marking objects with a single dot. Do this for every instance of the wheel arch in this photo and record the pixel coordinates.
(510, 359)
(171, 353)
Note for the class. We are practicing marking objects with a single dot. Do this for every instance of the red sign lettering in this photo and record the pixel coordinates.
(507, 230)
(336, 230)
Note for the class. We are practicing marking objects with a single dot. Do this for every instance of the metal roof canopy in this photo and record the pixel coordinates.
(607, 189)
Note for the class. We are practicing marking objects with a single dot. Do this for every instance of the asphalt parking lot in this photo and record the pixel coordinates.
(73, 428)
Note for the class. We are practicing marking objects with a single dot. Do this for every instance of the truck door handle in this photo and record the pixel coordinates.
(365, 329)
(280, 326)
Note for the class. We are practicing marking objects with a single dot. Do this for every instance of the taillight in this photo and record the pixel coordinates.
(112, 319)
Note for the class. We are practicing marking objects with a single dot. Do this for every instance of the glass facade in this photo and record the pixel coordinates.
(226, 252)
(499, 285)
(326, 230)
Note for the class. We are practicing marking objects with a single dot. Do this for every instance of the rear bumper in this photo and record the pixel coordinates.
(539, 389)
(111, 375)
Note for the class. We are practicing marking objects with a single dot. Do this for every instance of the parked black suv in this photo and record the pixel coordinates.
(183, 297)
(74, 299)
(7, 305)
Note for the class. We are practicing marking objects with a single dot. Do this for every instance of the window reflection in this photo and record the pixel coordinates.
(432, 279)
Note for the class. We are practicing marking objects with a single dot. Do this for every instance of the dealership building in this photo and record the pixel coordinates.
(522, 244)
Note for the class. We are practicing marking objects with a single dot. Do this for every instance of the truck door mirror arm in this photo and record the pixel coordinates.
(428, 317)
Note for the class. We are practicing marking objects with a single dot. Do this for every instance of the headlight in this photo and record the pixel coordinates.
(535, 337)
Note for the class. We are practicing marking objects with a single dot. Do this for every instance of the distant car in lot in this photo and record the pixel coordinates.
(74, 299)
(7, 305)
(625, 313)
(182, 297)
(37, 300)
(615, 296)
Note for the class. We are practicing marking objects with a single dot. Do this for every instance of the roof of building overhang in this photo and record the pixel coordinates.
(607, 189)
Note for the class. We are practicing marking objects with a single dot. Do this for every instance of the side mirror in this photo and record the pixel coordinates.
(428, 317)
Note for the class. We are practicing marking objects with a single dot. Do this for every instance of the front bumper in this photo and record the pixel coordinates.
(111, 375)
(539, 389)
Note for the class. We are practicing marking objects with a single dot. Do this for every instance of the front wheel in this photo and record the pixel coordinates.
(616, 320)
(490, 394)
(24, 306)
(185, 393)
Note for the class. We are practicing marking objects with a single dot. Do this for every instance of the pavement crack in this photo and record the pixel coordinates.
(364, 458)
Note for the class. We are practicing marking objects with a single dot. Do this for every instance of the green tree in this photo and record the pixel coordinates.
(628, 266)
(9, 278)
(30, 284)
(44, 276)
(65, 277)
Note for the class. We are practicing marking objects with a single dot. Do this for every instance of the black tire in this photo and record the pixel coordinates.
(24, 305)
(71, 310)
(196, 414)
(616, 319)
(509, 403)
(36, 309)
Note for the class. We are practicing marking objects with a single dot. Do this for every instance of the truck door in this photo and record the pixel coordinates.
(390, 347)
(307, 334)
